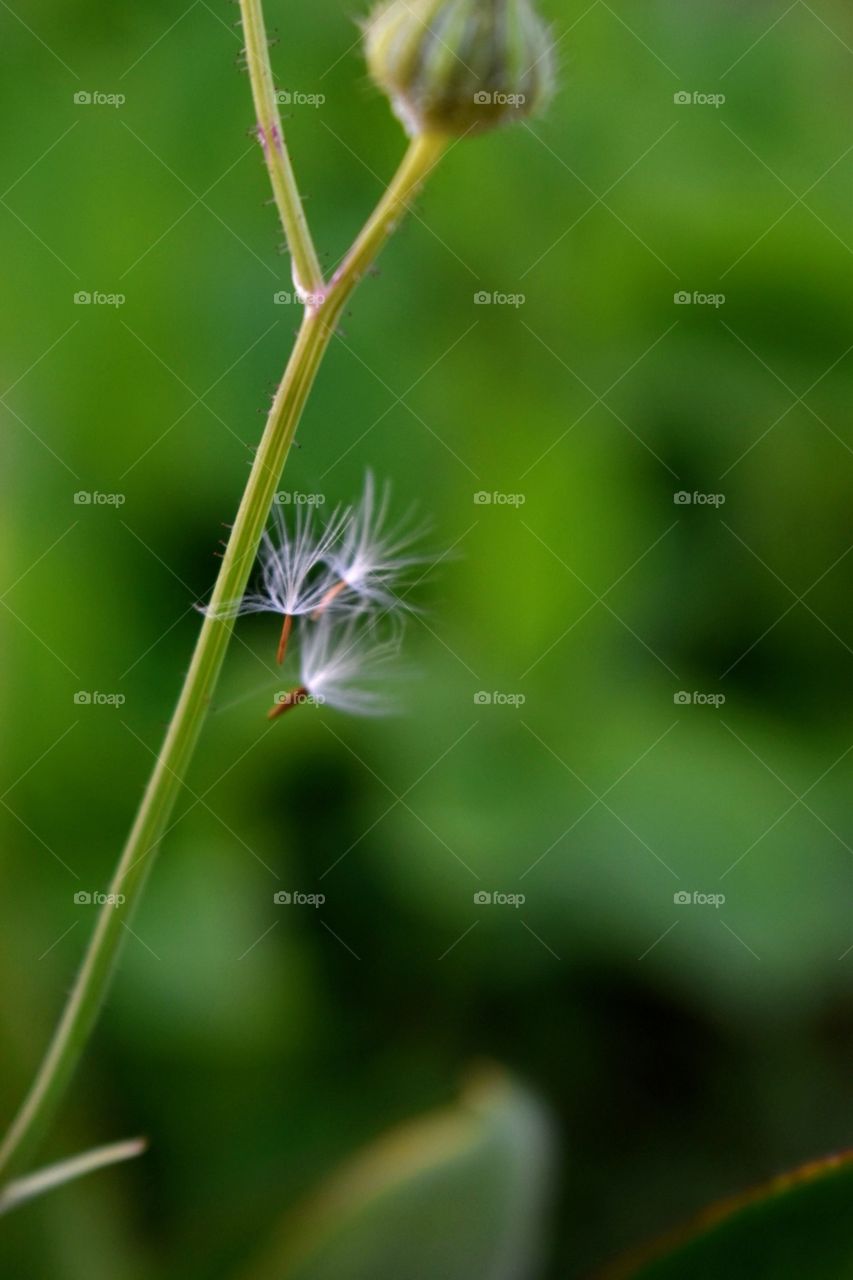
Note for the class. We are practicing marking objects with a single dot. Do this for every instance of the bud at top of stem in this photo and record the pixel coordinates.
(460, 66)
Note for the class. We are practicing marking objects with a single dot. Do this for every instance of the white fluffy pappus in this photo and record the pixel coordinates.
(342, 580)
(371, 559)
(295, 577)
(345, 665)
(295, 572)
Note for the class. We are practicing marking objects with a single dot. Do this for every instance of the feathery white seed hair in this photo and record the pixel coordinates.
(295, 575)
(344, 665)
(371, 557)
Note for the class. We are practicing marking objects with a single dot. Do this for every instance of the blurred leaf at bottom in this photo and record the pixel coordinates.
(799, 1226)
(454, 1195)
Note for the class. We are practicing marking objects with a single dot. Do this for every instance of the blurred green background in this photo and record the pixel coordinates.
(686, 1050)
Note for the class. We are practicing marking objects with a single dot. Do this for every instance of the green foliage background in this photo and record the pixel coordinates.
(686, 1051)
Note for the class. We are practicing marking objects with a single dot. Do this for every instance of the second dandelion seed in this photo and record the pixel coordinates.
(345, 666)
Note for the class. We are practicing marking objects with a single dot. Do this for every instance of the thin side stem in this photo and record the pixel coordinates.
(423, 154)
(87, 994)
(58, 1175)
(307, 273)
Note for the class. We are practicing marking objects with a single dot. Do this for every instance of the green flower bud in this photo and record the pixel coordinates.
(460, 66)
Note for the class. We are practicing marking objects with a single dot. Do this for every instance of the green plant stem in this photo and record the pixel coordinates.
(422, 156)
(307, 273)
(315, 334)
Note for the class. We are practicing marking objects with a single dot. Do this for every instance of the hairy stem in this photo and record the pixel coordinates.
(307, 274)
(318, 327)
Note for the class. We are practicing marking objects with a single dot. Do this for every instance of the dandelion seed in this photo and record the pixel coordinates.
(371, 558)
(295, 576)
(344, 666)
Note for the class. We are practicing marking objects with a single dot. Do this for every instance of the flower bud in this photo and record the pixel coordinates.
(460, 66)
